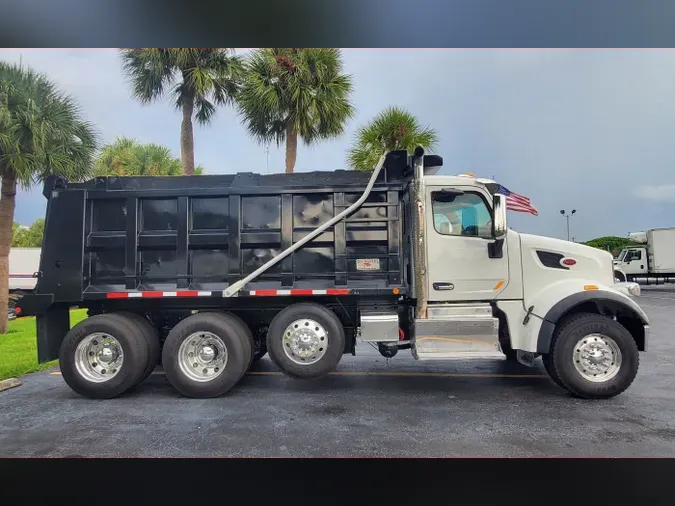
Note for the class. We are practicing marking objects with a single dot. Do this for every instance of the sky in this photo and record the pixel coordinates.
(591, 130)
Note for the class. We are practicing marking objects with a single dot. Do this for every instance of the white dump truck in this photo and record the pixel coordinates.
(652, 261)
(212, 272)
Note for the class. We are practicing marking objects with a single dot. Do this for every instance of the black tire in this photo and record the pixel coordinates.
(620, 276)
(570, 333)
(133, 347)
(248, 342)
(553, 374)
(151, 337)
(233, 337)
(335, 337)
(244, 328)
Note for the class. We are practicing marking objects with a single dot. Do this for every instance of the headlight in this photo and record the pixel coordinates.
(632, 289)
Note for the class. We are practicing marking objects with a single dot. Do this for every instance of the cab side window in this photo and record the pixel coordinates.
(462, 215)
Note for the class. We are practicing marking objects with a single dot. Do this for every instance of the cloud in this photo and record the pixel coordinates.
(661, 193)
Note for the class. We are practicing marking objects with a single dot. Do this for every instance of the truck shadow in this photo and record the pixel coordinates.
(363, 385)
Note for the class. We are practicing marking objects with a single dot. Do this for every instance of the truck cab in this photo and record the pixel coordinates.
(633, 260)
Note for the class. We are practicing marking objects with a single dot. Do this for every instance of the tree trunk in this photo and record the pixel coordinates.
(291, 148)
(7, 203)
(187, 141)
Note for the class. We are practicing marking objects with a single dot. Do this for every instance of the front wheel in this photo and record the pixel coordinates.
(593, 356)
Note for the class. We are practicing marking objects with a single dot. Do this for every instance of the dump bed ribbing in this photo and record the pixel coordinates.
(121, 234)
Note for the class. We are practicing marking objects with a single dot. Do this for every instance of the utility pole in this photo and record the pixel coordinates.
(567, 216)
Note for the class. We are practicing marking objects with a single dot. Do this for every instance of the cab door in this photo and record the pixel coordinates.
(635, 261)
(461, 264)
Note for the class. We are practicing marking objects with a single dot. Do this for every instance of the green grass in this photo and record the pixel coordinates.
(18, 348)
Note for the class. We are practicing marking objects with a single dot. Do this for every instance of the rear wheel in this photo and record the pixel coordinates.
(246, 331)
(306, 340)
(151, 338)
(103, 356)
(593, 356)
(205, 355)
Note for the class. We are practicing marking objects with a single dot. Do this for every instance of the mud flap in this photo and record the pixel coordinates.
(52, 326)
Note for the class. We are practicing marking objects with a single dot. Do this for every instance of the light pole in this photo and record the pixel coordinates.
(567, 216)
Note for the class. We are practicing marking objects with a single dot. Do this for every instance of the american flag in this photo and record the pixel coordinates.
(516, 202)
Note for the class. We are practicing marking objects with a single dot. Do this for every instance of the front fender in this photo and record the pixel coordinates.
(558, 301)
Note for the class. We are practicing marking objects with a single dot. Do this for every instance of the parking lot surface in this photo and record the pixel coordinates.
(370, 407)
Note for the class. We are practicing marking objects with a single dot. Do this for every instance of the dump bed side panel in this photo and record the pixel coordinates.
(661, 250)
(135, 238)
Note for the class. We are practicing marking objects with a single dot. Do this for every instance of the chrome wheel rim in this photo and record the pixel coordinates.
(202, 356)
(597, 358)
(99, 357)
(305, 341)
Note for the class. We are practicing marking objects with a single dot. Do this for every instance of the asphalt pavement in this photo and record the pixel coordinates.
(371, 406)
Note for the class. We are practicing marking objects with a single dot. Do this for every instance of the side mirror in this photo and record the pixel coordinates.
(499, 218)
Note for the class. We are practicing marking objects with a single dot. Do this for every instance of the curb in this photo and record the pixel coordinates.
(9, 383)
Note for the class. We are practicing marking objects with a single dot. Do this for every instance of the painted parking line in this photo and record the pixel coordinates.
(394, 374)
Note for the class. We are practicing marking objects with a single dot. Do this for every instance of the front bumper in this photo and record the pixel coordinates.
(627, 288)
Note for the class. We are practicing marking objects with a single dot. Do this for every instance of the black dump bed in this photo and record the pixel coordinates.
(138, 234)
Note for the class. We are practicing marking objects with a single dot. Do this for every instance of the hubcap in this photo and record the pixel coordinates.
(202, 356)
(98, 357)
(305, 341)
(597, 358)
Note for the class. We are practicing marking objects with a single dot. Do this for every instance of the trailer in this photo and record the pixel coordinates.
(206, 274)
(652, 261)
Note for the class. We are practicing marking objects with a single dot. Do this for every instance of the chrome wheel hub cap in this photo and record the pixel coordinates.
(305, 341)
(98, 357)
(202, 356)
(597, 358)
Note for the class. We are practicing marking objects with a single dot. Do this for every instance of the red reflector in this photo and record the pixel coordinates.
(117, 295)
(152, 294)
(337, 291)
(266, 292)
(569, 261)
(17, 310)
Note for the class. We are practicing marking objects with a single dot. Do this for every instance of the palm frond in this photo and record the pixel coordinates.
(301, 89)
(42, 129)
(392, 129)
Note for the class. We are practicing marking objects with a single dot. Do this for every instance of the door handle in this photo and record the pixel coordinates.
(443, 286)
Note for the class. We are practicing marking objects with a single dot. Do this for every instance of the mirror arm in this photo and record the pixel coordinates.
(496, 249)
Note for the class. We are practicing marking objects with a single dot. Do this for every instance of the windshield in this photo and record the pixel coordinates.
(621, 255)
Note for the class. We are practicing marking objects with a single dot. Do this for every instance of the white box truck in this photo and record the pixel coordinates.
(23, 264)
(650, 262)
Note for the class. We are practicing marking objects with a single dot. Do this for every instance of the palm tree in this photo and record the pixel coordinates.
(392, 129)
(127, 157)
(41, 134)
(201, 78)
(290, 92)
